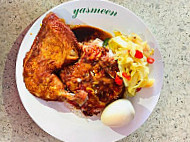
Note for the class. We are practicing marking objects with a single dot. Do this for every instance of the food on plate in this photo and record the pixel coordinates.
(54, 46)
(74, 64)
(133, 56)
(118, 113)
(93, 74)
(58, 68)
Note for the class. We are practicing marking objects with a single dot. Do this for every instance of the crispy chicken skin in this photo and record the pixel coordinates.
(94, 75)
(54, 46)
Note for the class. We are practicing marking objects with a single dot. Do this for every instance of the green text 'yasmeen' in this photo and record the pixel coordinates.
(93, 10)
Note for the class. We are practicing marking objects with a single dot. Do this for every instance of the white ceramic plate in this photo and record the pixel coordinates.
(54, 117)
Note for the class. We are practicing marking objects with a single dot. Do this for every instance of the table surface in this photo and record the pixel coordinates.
(169, 21)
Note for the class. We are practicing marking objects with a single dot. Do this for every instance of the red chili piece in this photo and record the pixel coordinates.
(128, 77)
(150, 60)
(118, 80)
(138, 89)
(139, 54)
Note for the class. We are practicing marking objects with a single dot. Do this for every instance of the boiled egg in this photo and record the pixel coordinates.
(118, 113)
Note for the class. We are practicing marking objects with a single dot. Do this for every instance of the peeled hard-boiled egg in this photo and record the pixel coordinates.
(118, 113)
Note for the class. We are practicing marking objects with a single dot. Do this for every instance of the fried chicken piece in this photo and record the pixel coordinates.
(54, 46)
(93, 75)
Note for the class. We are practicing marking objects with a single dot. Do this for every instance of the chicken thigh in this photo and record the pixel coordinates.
(54, 46)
